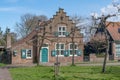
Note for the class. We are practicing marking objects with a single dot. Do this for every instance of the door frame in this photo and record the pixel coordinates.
(41, 54)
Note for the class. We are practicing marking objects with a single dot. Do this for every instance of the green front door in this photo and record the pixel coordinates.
(44, 55)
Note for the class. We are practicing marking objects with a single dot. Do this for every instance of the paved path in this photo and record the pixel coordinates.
(4, 74)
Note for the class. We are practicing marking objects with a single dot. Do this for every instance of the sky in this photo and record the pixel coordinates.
(12, 10)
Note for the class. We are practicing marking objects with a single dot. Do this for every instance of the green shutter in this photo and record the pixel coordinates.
(79, 52)
(67, 34)
(56, 34)
(66, 53)
(53, 53)
(23, 53)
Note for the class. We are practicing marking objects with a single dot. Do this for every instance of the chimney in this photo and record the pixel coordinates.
(8, 40)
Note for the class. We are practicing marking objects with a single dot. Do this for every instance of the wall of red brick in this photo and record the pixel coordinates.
(94, 58)
(17, 59)
(63, 59)
(55, 23)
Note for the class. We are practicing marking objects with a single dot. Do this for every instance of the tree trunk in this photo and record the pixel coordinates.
(39, 47)
(38, 56)
(106, 53)
(73, 48)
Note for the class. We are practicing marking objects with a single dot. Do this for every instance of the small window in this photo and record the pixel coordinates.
(118, 30)
(60, 47)
(71, 46)
(26, 53)
(62, 31)
(117, 50)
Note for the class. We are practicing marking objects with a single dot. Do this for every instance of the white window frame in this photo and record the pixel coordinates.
(59, 49)
(27, 54)
(117, 49)
(61, 31)
(74, 49)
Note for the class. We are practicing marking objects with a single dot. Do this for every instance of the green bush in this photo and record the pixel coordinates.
(100, 55)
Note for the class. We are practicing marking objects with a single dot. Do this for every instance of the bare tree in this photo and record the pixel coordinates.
(102, 25)
(28, 23)
(2, 39)
(76, 20)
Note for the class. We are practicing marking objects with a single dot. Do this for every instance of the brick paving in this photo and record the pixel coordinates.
(4, 74)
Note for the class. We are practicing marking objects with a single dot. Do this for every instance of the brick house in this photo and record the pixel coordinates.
(114, 32)
(58, 40)
(113, 29)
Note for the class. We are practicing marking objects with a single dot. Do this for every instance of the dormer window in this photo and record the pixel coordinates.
(62, 31)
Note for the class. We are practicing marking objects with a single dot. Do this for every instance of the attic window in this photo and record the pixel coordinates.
(118, 30)
(61, 31)
(61, 18)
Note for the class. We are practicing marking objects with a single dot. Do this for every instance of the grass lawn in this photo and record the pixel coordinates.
(66, 73)
(1, 64)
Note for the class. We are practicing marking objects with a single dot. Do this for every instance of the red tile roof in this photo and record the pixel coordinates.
(113, 30)
(28, 37)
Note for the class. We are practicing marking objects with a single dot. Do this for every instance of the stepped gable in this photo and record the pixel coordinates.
(63, 15)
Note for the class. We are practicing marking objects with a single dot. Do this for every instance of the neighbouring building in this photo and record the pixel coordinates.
(59, 39)
(113, 30)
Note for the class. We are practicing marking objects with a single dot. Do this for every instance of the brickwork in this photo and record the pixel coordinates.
(60, 19)
(94, 58)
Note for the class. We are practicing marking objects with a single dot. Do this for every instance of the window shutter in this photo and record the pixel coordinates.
(23, 53)
(56, 34)
(67, 34)
(79, 52)
(66, 53)
(53, 53)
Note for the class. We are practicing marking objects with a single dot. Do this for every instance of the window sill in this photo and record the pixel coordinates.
(29, 58)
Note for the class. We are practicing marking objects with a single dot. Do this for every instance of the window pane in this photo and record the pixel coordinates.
(59, 28)
(57, 46)
(75, 46)
(62, 52)
(71, 46)
(59, 33)
(63, 33)
(118, 55)
(63, 28)
(71, 52)
(62, 46)
(29, 53)
(75, 52)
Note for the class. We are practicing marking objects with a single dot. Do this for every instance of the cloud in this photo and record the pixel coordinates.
(7, 9)
(22, 10)
(115, 0)
(110, 9)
